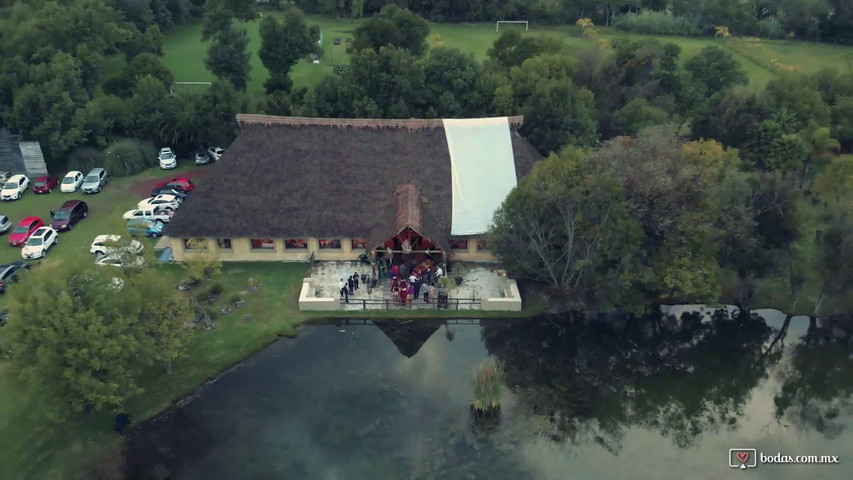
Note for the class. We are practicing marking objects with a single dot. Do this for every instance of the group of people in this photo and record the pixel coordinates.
(420, 282)
(350, 285)
(407, 290)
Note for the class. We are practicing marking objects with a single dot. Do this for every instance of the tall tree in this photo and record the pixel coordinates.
(228, 56)
(219, 14)
(451, 81)
(563, 222)
(282, 45)
(716, 69)
(394, 27)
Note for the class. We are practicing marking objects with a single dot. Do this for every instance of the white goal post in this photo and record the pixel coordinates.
(499, 22)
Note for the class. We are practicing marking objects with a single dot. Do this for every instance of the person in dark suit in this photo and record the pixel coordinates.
(350, 285)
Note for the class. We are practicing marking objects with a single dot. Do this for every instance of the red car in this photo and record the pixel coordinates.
(183, 184)
(23, 231)
(45, 184)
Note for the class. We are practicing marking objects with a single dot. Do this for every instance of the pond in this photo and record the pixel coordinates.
(587, 398)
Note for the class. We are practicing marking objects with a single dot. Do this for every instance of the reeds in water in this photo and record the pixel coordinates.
(488, 384)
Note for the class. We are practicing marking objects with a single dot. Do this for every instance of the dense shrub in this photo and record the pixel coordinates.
(769, 28)
(658, 23)
(85, 159)
(127, 157)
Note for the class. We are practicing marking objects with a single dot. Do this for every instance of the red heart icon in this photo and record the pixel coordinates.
(742, 456)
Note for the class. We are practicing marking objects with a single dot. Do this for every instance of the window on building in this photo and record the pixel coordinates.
(194, 243)
(330, 243)
(224, 243)
(482, 244)
(295, 243)
(263, 244)
(459, 244)
(359, 243)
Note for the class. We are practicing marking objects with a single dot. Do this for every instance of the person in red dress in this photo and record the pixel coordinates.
(403, 292)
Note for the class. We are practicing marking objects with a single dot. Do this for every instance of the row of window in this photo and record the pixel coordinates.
(301, 244)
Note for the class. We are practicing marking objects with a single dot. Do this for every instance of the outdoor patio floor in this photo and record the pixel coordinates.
(478, 281)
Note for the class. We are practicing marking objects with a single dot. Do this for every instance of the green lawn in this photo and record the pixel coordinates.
(185, 52)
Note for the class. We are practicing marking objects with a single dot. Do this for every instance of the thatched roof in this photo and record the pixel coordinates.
(288, 177)
(406, 208)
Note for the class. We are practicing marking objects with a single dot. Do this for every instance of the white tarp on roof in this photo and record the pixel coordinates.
(482, 169)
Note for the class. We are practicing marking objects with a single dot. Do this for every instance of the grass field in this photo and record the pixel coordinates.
(185, 52)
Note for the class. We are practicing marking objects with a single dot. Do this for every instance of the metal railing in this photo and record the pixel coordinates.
(413, 304)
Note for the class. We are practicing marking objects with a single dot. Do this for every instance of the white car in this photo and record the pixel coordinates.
(213, 153)
(156, 213)
(167, 159)
(39, 242)
(71, 182)
(119, 261)
(163, 200)
(109, 244)
(14, 187)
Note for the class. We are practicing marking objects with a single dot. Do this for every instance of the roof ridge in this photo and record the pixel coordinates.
(411, 123)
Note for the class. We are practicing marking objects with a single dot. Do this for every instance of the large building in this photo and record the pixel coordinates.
(332, 189)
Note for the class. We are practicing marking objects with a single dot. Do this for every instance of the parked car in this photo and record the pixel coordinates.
(180, 183)
(9, 274)
(25, 228)
(45, 184)
(71, 181)
(68, 214)
(167, 158)
(4, 175)
(109, 244)
(4, 316)
(5, 224)
(39, 242)
(162, 200)
(170, 191)
(156, 213)
(14, 187)
(95, 180)
(145, 227)
(201, 157)
(115, 260)
(213, 153)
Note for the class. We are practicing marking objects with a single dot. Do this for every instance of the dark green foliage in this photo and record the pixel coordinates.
(394, 27)
(228, 56)
(125, 157)
(656, 23)
(283, 44)
(716, 70)
(216, 290)
(512, 48)
(84, 159)
(219, 14)
(637, 115)
(451, 82)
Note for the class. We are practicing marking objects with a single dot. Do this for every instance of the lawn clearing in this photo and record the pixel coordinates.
(185, 52)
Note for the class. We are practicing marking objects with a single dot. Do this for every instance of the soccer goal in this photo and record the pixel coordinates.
(516, 22)
(178, 87)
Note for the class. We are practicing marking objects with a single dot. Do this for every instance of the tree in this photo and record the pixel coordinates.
(165, 320)
(218, 15)
(78, 339)
(561, 222)
(384, 84)
(637, 115)
(282, 45)
(716, 70)
(228, 57)
(394, 27)
(451, 81)
(512, 48)
(148, 107)
(208, 116)
(835, 257)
